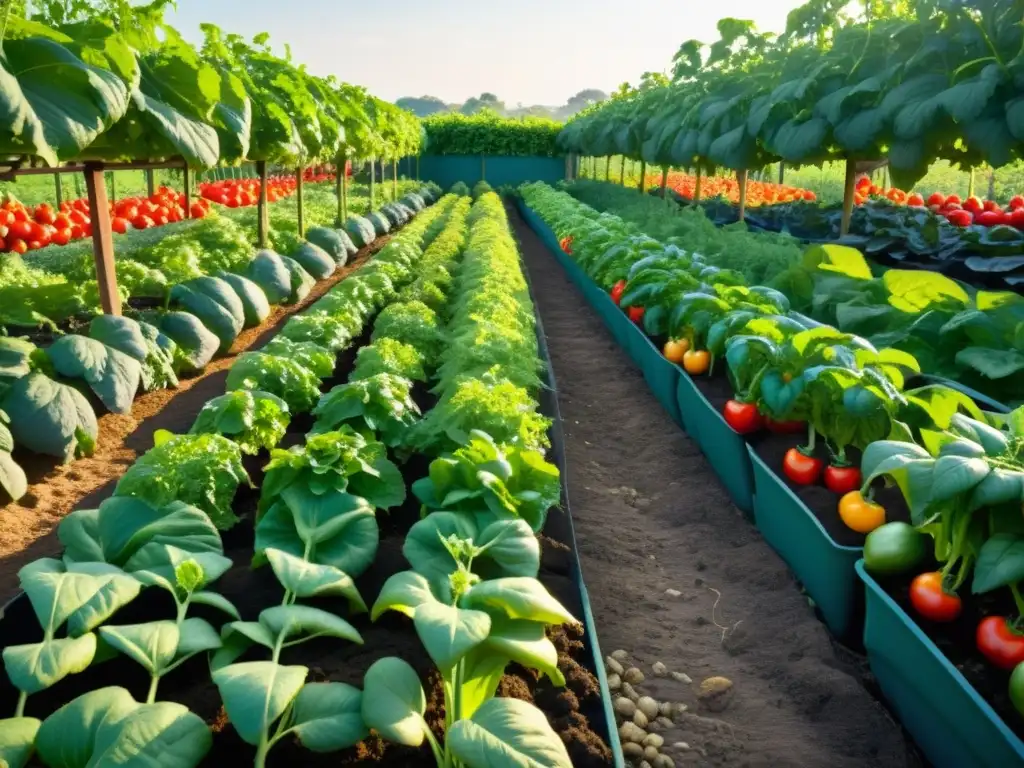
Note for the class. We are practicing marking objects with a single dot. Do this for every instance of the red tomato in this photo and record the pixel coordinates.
(44, 214)
(1017, 201)
(930, 598)
(233, 202)
(972, 204)
(953, 199)
(959, 218)
(119, 225)
(915, 200)
(62, 222)
(744, 418)
(197, 211)
(19, 214)
(142, 222)
(77, 232)
(801, 468)
(77, 217)
(989, 218)
(617, 290)
(784, 427)
(1016, 218)
(992, 205)
(1000, 643)
(21, 230)
(636, 314)
(245, 199)
(937, 198)
(128, 212)
(160, 220)
(35, 245)
(842, 480)
(19, 246)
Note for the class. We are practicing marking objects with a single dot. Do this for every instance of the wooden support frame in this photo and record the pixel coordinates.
(102, 238)
(262, 213)
(298, 195)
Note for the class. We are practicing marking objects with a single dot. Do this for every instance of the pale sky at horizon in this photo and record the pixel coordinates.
(528, 51)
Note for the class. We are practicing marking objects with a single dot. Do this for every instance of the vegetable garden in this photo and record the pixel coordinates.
(285, 452)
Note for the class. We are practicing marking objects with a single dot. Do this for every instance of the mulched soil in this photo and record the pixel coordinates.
(27, 527)
(650, 516)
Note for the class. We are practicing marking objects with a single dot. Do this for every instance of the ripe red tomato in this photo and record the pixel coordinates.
(142, 222)
(197, 211)
(972, 204)
(801, 468)
(842, 480)
(937, 198)
(61, 237)
(930, 598)
(744, 418)
(992, 205)
(21, 230)
(1017, 201)
(636, 314)
(915, 200)
(160, 220)
(35, 245)
(1001, 644)
(19, 246)
(77, 217)
(119, 225)
(1016, 218)
(617, 291)
(44, 214)
(959, 218)
(953, 199)
(62, 222)
(245, 199)
(77, 232)
(989, 218)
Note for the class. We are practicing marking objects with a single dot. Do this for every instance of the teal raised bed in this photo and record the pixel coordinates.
(726, 451)
(497, 170)
(825, 567)
(951, 723)
(661, 375)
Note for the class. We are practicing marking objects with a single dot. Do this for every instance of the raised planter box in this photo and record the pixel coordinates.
(496, 170)
(951, 723)
(661, 375)
(825, 568)
(726, 451)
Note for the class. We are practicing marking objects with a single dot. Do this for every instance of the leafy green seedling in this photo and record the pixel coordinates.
(253, 419)
(379, 405)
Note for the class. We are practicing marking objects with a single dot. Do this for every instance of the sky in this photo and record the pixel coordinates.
(524, 51)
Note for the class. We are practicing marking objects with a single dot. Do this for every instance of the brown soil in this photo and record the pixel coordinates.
(957, 641)
(650, 515)
(27, 527)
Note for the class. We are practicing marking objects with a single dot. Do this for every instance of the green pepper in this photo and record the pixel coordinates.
(894, 548)
(1017, 687)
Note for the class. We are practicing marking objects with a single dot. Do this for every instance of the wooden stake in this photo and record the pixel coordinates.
(298, 196)
(58, 188)
(186, 180)
(741, 177)
(664, 180)
(696, 187)
(339, 183)
(782, 171)
(417, 167)
(608, 168)
(970, 183)
(113, 187)
(373, 180)
(262, 213)
(150, 182)
(849, 187)
(643, 174)
(102, 238)
(622, 172)
(344, 195)
(394, 179)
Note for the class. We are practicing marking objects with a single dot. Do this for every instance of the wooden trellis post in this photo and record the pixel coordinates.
(339, 190)
(608, 168)
(622, 172)
(373, 181)
(102, 238)
(697, 185)
(58, 188)
(741, 178)
(186, 181)
(643, 175)
(394, 179)
(664, 180)
(262, 213)
(849, 188)
(150, 182)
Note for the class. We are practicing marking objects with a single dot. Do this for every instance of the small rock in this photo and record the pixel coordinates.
(664, 761)
(665, 723)
(644, 764)
(629, 692)
(648, 706)
(681, 746)
(630, 731)
(651, 753)
(682, 677)
(659, 669)
(715, 693)
(631, 750)
(620, 655)
(612, 665)
(678, 709)
(624, 706)
(673, 592)
(665, 709)
(634, 676)
(614, 682)
(655, 726)
(654, 740)
(640, 719)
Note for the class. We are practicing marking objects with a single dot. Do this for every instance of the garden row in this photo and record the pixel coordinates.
(452, 576)
(934, 482)
(970, 336)
(49, 395)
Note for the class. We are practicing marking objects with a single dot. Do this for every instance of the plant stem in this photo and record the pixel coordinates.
(153, 683)
(20, 709)
(439, 755)
(1018, 600)
(812, 435)
(261, 751)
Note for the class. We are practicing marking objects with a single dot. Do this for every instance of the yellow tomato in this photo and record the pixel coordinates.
(859, 514)
(675, 349)
(697, 361)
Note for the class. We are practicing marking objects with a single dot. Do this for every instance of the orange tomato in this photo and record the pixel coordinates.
(675, 349)
(696, 361)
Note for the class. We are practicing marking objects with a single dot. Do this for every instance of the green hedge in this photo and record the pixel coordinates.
(490, 134)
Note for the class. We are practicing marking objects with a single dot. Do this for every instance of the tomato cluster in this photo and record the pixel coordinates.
(960, 213)
(242, 193)
(758, 192)
(24, 229)
(323, 173)
(165, 206)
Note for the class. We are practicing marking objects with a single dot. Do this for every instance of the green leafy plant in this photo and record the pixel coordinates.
(389, 356)
(12, 476)
(284, 377)
(379, 405)
(412, 323)
(253, 419)
(112, 375)
(325, 331)
(308, 354)
(487, 133)
(142, 341)
(204, 470)
(49, 417)
(489, 482)
(342, 460)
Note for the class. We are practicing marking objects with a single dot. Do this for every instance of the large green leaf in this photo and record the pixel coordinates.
(67, 738)
(394, 702)
(328, 716)
(507, 733)
(83, 594)
(35, 667)
(17, 740)
(449, 633)
(305, 579)
(1000, 563)
(518, 597)
(151, 645)
(49, 417)
(164, 734)
(257, 693)
(112, 375)
(404, 592)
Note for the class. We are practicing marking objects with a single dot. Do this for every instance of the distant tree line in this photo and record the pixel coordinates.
(430, 105)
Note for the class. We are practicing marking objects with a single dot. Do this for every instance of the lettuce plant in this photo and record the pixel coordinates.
(411, 322)
(306, 353)
(343, 460)
(389, 356)
(253, 419)
(471, 632)
(204, 470)
(380, 404)
(282, 376)
(326, 331)
(491, 482)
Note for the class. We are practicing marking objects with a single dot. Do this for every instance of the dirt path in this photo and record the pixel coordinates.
(27, 527)
(651, 516)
